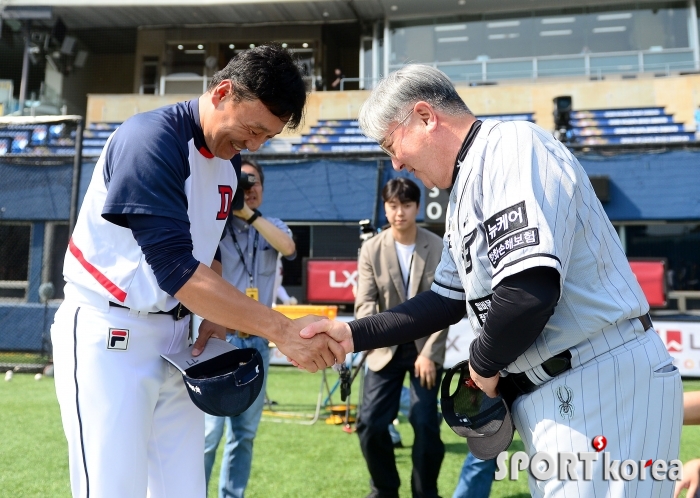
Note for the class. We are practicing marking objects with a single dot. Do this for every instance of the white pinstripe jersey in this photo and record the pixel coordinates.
(522, 200)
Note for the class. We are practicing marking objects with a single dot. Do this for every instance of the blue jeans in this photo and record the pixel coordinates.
(476, 478)
(240, 433)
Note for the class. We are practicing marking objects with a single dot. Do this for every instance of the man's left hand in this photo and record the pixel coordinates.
(206, 330)
(486, 384)
(244, 213)
(425, 369)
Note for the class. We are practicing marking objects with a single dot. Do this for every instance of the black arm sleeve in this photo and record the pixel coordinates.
(167, 246)
(520, 308)
(422, 315)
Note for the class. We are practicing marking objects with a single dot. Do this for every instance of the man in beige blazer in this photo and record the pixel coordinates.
(397, 264)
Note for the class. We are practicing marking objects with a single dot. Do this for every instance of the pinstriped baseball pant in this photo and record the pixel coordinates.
(631, 394)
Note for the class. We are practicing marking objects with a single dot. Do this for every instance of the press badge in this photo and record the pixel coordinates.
(252, 292)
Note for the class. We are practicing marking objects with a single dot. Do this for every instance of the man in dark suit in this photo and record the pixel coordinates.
(395, 265)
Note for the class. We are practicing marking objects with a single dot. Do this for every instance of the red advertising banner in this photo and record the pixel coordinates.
(331, 281)
(651, 275)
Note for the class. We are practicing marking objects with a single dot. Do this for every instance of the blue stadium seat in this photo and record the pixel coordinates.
(336, 135)
(5, 145)
(59, 139)
(636, 125)
(344, 135)
(523, 116)
(20, 139)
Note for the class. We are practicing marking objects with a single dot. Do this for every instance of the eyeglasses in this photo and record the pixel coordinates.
(381, 144)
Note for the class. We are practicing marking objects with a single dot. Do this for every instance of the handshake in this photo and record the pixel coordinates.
(314, 343)
(311, 342)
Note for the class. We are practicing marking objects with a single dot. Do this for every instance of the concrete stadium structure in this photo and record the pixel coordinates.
(154, 46)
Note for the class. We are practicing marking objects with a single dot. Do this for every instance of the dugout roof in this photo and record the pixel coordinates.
(85, 14)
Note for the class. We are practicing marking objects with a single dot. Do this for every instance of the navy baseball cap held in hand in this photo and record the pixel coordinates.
(470, 413)
(222, 381)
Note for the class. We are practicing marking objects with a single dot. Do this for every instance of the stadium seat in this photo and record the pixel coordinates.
(344, 135)
(637, 125)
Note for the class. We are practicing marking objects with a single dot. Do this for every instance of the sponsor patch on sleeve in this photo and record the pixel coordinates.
(515, 241)
(481, 307)
(504, 222)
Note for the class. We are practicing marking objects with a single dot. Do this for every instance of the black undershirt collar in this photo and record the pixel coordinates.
(468, 140)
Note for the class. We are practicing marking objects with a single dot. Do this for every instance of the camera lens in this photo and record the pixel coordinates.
(247, 181)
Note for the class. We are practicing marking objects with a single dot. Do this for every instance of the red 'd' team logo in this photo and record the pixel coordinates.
(118, 339)
(674, 341)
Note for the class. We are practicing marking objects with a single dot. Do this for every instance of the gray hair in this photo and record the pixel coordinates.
(392, 97)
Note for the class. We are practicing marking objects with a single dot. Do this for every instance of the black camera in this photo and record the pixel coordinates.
(246, 182)
(562, 117)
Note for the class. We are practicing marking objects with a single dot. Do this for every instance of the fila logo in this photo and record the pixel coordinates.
(674, 341)
(118, 339)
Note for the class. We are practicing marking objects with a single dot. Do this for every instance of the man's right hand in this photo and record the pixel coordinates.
(337, 330)
(208, 295)
(314, 353)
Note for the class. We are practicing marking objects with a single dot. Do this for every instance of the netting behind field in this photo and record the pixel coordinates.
(37, 159)
(24, 335)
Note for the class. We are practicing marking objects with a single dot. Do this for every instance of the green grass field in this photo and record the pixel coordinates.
(291, 460)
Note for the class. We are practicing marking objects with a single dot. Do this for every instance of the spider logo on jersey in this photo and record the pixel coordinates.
(118, 339)
(565, 395)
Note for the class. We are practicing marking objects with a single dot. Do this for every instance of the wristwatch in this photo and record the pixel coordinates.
(256, 215)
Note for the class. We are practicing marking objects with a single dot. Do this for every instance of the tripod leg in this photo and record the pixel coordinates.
(324, 382)
(268, 403)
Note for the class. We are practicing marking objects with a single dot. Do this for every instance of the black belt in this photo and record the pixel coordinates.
(513, 385)
(646, 321)
(178, 312)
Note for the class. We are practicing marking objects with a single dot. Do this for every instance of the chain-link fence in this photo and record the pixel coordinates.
(37, 195)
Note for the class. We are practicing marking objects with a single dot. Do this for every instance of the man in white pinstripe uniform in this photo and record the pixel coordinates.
(562, 326)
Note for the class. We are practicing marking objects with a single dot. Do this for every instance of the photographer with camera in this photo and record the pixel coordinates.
(249, 252)
(395, 265)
